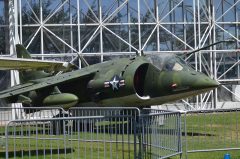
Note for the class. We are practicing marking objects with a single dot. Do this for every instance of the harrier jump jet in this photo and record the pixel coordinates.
(138, 81)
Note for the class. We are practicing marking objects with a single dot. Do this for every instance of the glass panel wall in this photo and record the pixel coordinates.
(104, 29)
(4, 45)
(4, 30)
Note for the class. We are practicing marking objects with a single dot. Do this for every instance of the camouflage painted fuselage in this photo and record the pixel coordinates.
(139, 81)
(146, 83)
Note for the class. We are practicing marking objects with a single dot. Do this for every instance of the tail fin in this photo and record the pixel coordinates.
(30, 74)
(22, 52)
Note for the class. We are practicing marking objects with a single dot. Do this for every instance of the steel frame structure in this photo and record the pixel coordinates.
(99, 29)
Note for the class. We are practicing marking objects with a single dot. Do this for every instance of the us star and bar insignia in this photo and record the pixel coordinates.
(116, 82)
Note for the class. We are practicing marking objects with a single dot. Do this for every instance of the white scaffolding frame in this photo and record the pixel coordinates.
(209, 19)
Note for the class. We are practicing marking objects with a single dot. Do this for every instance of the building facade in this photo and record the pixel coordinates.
(104, 29)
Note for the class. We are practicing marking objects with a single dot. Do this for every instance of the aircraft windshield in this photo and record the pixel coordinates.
(169, 62)
(157, 61)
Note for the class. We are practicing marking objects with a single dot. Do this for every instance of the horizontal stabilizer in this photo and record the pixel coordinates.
(32, 64)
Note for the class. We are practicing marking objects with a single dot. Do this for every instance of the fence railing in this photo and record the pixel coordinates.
(17, 113)
(211, 130)
(115, 132)
(94, 133)
(161, 134)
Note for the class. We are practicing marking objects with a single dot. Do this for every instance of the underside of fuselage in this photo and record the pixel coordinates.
(136, 101)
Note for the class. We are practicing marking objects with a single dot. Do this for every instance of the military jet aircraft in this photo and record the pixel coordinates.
(138, 81)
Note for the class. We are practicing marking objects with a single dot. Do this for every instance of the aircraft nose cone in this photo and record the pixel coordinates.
(205, 82)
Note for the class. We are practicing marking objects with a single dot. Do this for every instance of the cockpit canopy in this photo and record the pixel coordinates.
(168, 62)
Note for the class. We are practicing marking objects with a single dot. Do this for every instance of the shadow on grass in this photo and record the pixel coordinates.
(197, 134)
(39, 152)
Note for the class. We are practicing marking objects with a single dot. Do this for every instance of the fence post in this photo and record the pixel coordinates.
(139, 125)
(185, 133)
(6, 138)
(180, 134)
(135, 136)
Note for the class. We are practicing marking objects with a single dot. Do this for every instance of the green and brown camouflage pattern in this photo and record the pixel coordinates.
(139, 81)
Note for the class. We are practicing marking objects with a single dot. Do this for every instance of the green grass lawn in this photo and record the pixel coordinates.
(212, 131)
(61, 148)
(37, 141)
(204, 131)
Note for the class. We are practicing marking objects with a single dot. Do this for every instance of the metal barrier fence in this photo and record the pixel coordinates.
(124, 119)
(8, 114)
(115, 132)
(211, 130)
(16, 113)
(160, 134)
(13, 113)
(95, 133)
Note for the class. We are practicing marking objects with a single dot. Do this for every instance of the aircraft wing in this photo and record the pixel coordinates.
(47, 82)
(32, 64)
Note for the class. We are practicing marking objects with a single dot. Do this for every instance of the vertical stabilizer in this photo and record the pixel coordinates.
(22, 52)
(29, 74)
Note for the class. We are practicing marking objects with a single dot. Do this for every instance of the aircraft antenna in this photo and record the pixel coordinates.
(228, 41)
